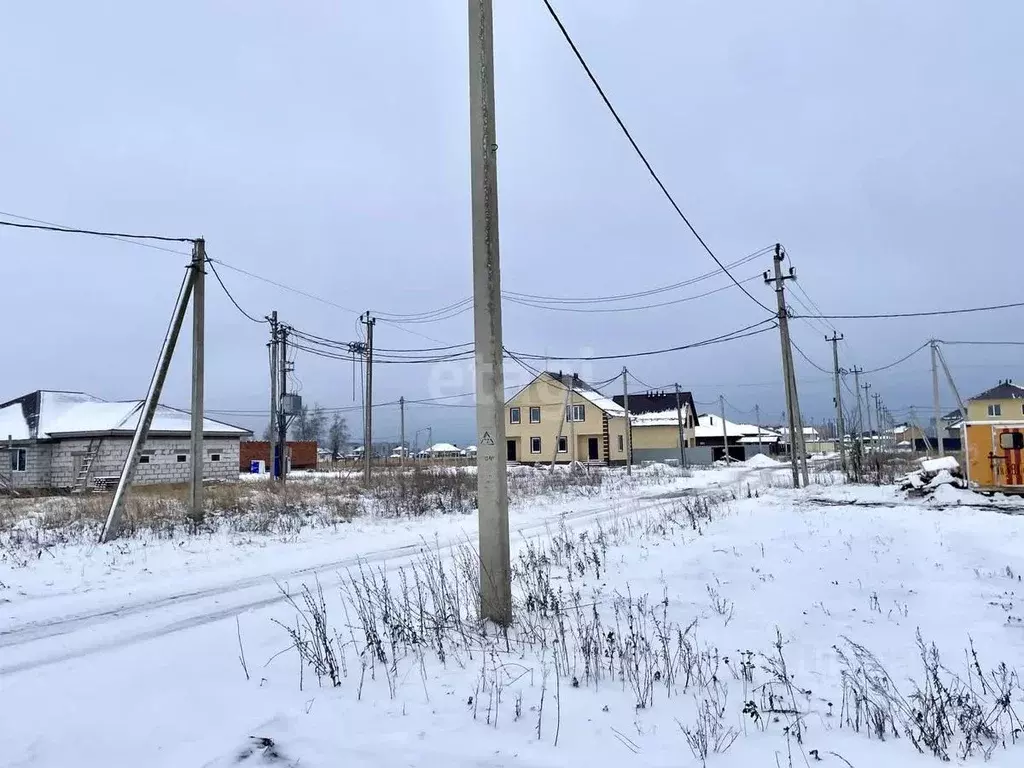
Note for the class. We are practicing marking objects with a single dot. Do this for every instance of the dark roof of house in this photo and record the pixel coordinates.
(1004, 390)
(657, 402)
(954, 415)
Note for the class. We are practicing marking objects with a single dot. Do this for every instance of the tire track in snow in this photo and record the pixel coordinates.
(68, 626)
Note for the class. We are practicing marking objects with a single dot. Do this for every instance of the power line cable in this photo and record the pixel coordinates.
(683, 300)
(640, 153)
(732, 336)
(932, 313)
(897, 362)
(97, 233)
(230, 297)
(805, 357)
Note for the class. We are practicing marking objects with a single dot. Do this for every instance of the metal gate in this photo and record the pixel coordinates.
(1010, 447)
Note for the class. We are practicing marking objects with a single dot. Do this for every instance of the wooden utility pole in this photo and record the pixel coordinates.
(796, 430)
(878, 419)
(274, 396)
(682, 430)
(860, 411)
(369, 322)
(198, 376)
(112, 526)
(492, 478)
(401, 421)
(840, 426)
(629, 427)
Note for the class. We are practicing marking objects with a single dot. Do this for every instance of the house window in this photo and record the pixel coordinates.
(144, 458)
(214, 457)
(563, 445)
(621, 441)
(19, 457)
(534, 414)
(181, 458)
(534, 445)
(513, 416)
(995, 410)
(575, 413)
(1011, 441)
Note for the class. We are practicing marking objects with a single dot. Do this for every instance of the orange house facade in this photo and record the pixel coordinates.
(994, 439)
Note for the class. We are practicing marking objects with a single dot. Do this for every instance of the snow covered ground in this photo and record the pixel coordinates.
(647, 623)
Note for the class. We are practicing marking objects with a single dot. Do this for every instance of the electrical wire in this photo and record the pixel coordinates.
(732, 336)
(983, 343)
(638, 294)
(805, 357)
(97, 233)
(897, 362)
(932, 313)
(683, 300)
(230, 297)
(640, 153)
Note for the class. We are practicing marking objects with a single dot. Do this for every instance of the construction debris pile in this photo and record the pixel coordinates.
(933, 474)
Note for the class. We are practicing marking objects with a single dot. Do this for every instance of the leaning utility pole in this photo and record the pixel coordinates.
(796, 431)
(725, 429)
(282, 391)
(198, 375)
(836, 338)
(629, 427)
(274, 395)
(401, 421)
(682, 430)
(935, 398)
(112, 526)
(492, 478)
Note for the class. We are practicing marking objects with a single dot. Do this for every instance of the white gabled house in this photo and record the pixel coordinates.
(75, 441)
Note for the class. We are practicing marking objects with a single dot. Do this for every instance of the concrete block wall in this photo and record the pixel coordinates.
(162, 466)
(37, 466)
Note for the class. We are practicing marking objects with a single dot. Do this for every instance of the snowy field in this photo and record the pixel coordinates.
(718, 619)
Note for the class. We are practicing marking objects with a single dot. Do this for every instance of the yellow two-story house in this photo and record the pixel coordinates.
(994, 439)
(560, 418)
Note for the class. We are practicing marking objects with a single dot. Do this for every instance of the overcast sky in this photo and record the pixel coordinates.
(325, 145)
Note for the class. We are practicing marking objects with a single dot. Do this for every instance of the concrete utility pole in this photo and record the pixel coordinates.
(492, 478)
(757, 416)
(401, 406)
(860, 412)
(917, 425)
(796, 429)
(682, 430)
(369, 322)
(867, 400)
(725, 429)
(282, 391)
(836, 338)
(112, 526)
(629, 427)
(935, 398)
(571, 413)
(198, 375)
(878, 419)
(274, 395)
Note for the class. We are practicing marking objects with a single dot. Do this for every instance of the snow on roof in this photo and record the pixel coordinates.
(12, 423)
(68, 413)
(587, 392)
(657, 419)
(443, 448)
(711, 426)
(470, 449)
(606, 404)
(808, 432)
(753, 439)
